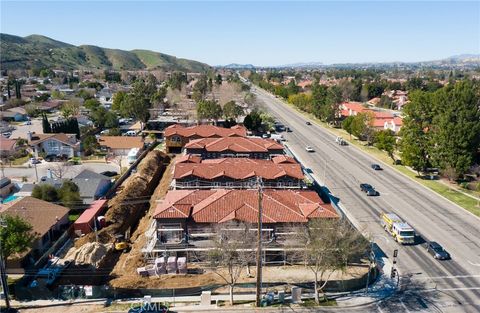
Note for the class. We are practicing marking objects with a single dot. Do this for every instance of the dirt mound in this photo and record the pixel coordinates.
(91, 253)
(132, 199)
(125, 269)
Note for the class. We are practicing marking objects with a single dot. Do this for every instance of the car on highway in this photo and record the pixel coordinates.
(369, 190)
(437, 251)
(340, 141)
(377, 167)
(308, 123)
(309, 149)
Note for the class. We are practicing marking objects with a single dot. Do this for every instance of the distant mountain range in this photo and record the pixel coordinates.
(463, 60)
(36, 51)
(235, 66)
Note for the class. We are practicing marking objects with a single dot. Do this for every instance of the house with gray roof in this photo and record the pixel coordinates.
(91, 185)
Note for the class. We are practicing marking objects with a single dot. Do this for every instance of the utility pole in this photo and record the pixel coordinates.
(3, 273)
(259, 243)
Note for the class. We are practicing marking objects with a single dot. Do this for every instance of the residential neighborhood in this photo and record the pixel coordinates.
(201, 156)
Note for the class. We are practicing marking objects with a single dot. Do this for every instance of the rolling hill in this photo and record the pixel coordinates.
(36, 51)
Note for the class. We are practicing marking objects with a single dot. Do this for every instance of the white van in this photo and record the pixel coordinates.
(131, 133)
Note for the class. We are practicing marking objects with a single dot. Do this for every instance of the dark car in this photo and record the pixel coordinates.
(308, 123)
(288, 129)
(437, 251)
(365, 187)
(109, 173)
(376, 167)
(369, 190)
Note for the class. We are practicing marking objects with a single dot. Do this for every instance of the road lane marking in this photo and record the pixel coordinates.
(459, 288)
(445, 277)
(474, 264)
(404, 306)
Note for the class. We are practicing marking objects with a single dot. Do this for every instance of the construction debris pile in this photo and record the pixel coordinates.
(91, 253)
(124, 211)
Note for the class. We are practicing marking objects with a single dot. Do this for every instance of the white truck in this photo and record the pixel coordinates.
(132, 155)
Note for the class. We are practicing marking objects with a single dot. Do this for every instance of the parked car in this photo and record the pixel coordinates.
(7, 134)
(27, 123)
(309, 149)
(437, 251)
(265, 136)
(288, 129)
(308, 123)
(34, 161)
(109, 173)
(377, 167)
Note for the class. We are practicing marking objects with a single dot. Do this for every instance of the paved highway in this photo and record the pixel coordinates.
(428, 285)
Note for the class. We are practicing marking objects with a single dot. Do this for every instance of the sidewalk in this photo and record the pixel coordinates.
(382, 288)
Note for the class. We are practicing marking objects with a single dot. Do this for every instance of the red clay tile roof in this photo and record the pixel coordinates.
(221, 205)
(205, 131)
(188, 158)
(354, 106)
(235, 144)
(280, 159)
(238, 168)
(121, 142)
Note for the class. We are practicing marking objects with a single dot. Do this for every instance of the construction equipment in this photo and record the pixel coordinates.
(121, 244)
(400, 231)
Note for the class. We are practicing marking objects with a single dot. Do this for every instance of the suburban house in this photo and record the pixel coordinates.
(7, 147)
(380, 119)
(54, 144)
(177, 136)
(240, 147)
(91, 185)
(6, 187)
(12, 116)
(120, 145)
(185, 220)
(48, 221)
(237, 173)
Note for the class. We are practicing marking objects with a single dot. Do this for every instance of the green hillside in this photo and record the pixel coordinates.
(36, 51)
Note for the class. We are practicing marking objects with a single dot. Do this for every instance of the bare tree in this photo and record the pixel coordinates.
(328, 246)
(233, 250)
(60, 169)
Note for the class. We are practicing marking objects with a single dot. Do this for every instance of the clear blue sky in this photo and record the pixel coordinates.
(261, 33)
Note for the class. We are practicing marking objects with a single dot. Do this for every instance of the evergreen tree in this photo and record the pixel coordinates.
(456, 127)
(46, 124)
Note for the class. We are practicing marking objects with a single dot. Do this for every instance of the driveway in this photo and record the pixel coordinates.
(16, 174)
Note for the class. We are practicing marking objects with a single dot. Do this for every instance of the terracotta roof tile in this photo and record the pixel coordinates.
(205, 131)
(235, 144)
(221, 205)
(238, 168)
